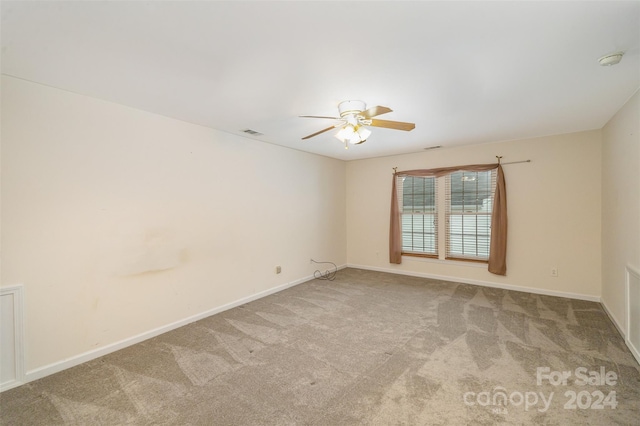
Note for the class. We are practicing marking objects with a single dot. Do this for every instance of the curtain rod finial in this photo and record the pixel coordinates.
(395, 170)
(499, 157)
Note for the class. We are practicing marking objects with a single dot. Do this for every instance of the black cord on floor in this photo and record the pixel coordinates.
(328, 275)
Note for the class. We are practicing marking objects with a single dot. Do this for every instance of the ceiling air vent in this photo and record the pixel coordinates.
(252, 132)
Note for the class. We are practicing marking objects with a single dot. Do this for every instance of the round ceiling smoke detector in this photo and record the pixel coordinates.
(611, 59)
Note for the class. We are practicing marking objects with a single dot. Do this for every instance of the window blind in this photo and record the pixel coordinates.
(417, 198)
(469, 204)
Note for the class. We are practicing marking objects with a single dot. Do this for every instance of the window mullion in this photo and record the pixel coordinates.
(441, 214)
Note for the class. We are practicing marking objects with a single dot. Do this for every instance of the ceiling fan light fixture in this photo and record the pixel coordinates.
(346, 134)
(353, 134)
(364, 133)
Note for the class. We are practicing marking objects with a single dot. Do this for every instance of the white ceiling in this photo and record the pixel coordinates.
(464, 72)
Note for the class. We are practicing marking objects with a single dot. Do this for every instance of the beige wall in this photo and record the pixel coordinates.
(118, 221)
(554, 213)
(620, 205)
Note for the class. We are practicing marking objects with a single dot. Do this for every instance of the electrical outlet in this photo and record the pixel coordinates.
(554, 271)
(278, 269)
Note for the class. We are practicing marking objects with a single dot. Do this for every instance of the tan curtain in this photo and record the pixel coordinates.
(498, 244)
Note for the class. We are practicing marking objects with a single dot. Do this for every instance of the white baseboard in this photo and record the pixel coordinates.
(632, 308)
(481, 283)
(56, 367)
(53, 368)
(613, 319)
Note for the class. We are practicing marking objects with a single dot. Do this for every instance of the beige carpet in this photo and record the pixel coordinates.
(367, 348)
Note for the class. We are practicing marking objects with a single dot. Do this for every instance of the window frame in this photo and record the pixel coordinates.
(442, 218)
(422, 210)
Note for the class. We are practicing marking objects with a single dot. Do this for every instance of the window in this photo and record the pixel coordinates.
(419, 216)
(461, 211)
(469, 201)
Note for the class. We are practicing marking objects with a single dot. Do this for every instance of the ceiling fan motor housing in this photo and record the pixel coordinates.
(351, 107)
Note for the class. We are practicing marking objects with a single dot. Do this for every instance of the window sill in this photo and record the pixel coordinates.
(410, 258)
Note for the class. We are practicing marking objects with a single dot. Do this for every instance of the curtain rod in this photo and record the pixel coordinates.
(499, 157)
(395, 169)
(516, 162)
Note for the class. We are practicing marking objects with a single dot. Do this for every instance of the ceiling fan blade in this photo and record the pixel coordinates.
(321, 131)
(374, 111)
(318, 116)
(397, 125)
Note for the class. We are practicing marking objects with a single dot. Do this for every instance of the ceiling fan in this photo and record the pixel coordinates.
(354, 117)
